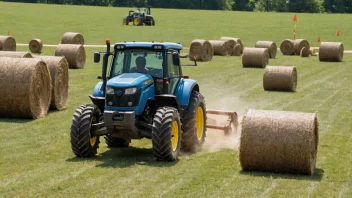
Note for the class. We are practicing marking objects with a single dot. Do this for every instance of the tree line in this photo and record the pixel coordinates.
(314, 6)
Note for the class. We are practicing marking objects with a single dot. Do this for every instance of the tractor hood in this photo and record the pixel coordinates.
(130, 80)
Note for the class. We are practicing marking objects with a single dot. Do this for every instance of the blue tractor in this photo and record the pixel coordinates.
(143, 94)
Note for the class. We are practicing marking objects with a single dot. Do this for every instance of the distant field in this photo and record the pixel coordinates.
(36, 158)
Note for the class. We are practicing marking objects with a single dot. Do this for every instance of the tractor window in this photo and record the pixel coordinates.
(118, 63)
(174, 73)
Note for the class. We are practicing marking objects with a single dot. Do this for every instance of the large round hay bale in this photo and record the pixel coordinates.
(331, 51)
(25, 88)
(304, 52)
(74, 54)
(8, 43)
(231, 43)
(237, 50)
(255, 57)
(220, 48)
(280, 78)
(12, 54)
(35, 45)
(200, 50)
(279, 141)
(272, 47)
(58, 68)
(287, 47)
(299, 44)
(72, 38)
(237, 40)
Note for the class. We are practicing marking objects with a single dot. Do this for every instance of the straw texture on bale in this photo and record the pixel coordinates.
(72, 38)
(272, 47)
(237, 40)
(255, 57)
(304, 52)
(331, 51)
(299, 44)
(220, 48)
(287, 47)
(12, 54)
(8, 43)
(279, 141)
(74, 54)
(280, 78)
(200, 50)
(58, 68)
(230, 45)
(25, 88)
(35, 45)
(237, 50)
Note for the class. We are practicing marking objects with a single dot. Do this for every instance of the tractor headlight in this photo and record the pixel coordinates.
(109, 90)
(130, 91)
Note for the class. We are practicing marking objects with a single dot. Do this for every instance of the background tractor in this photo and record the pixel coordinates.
(139, 17)
(143, 94)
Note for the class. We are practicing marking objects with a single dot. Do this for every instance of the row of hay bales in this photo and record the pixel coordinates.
(32, 85)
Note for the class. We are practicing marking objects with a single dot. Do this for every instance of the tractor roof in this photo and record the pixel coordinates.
(166, 45)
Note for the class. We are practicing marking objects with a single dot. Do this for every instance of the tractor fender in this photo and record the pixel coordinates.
(183, 91)
(167, 100)
(97, 90)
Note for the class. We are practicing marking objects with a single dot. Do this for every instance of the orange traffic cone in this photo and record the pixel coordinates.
(338, 33)
(8, 32)
(295, 18)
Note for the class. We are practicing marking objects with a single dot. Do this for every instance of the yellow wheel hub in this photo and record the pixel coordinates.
(136, 21)
(200, 123)
(174, 137)
(93, 139)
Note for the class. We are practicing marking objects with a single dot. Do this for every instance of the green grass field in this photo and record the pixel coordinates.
(36, 158)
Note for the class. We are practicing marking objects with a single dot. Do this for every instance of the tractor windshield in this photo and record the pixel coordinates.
(138, 61)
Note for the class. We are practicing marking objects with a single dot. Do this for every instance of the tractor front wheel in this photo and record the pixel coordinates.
(136, 21)
(83, 143)
(125, 22)
(166, 134)
(116, 142)
(194, 124)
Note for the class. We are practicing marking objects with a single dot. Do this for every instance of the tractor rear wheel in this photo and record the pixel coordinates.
(137, 21)
(116, 142)
(152, 22)
(166, 134)
(82, 142)
(194, 124)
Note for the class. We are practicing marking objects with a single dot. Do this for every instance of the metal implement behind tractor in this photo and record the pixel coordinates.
(141, 16)
(144, 94)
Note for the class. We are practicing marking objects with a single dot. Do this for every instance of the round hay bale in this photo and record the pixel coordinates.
(219, 47)
(74, 54)
(200, 50)
(255, 57)
(279, 141)
(280, 78)
(299, 44)
(272, 47)
(237, 50)
(304, 52)
(25, 88)
(12, 54)
(58, 67)
(312, 52)
(287, 47)
(230, 45)
(72, 38)
(237, 40)
(8, 43)
(331, 51)
(36, 45)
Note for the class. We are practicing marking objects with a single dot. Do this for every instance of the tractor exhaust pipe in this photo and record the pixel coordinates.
(105, 65)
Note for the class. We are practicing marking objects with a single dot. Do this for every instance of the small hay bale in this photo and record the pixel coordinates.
(58, 68)
(74, 54)
(312, 52)
(272, 47)
(12, 54)
(8, 43)
(255, 57)
(200, 50)
(25, 88)
(219, 47)
(231, 43)
(72, 38)
(183, 55)
(280, 78)
(304, 52)
(331, 51)
(299, 44)
(35, 46)
(287, 47)
(237, 50)
(279, 141)
(237, 40)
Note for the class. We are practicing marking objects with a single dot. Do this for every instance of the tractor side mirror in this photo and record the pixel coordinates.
(96, 57)
(175, 59)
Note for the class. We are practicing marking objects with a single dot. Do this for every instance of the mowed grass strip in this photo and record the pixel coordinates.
(36, 158)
